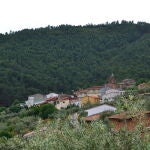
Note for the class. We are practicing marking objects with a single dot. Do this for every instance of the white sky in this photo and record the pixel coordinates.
(19, 14)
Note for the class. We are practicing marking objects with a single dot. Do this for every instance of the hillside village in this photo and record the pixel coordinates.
(98, 99)
(75, 75)
(94, 95)
(96, 103)
(58, 59)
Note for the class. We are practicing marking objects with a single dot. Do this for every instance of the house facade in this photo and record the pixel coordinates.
(80, 94)
(62, 103)
(52, 100)
(91, 91)
(90, 100)
(110, 94)
(75, 101)
(103, 90)
(35, 99)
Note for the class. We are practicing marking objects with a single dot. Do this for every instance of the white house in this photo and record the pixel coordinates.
(103, 90)
(35, 99)
(110, 94)
(51, 95)
(99, 109)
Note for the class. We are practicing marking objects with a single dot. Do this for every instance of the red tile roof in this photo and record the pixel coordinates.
(129, 122)
(94, 96)
(64, 99)
(126, 115)
(93, 117)
(52, 98)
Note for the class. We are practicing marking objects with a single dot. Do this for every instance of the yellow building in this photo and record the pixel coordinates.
(90, 99)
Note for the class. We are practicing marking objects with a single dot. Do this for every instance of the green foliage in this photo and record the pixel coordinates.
(5, 134)
(139, 81)
(16, 123)
(15, 108)
(59, 58)
(2, 109)
(35, 110)
(147, 101)
(145, 90)
(16, 102)
(130, 103)
(83, 113)
(72, 109)
(106, 114)
(46, 110)
(60, 134)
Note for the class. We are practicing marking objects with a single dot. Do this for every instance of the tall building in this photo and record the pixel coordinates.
(111, 82)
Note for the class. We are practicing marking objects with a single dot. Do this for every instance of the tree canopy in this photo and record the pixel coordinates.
(66, 58)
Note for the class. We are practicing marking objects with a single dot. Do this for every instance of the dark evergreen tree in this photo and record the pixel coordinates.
(66, 58)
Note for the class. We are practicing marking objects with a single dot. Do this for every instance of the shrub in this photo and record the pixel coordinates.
(2, 109)
(15, 108)
(5, 134)
(46, 110)
(60, 135)
(35, 110)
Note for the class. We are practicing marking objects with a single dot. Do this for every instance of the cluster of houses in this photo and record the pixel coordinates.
(96, 95)
(93, 95)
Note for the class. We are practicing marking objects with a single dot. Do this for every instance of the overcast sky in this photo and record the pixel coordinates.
(19, 14)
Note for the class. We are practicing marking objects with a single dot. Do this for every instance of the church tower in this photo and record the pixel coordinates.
(112, 79)
(111, 82)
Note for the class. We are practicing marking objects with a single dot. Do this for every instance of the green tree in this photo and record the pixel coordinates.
(46, 110)
(15, 108)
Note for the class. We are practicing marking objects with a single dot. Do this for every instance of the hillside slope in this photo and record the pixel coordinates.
(66, 58)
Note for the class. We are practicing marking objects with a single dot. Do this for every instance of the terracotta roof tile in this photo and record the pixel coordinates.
(51, 99)
(93, 117)
(123, 121)
(125, 115)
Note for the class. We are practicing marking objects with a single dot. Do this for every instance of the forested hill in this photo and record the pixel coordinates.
(66, 58)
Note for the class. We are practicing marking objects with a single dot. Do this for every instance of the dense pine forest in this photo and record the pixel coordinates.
(67, 58)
